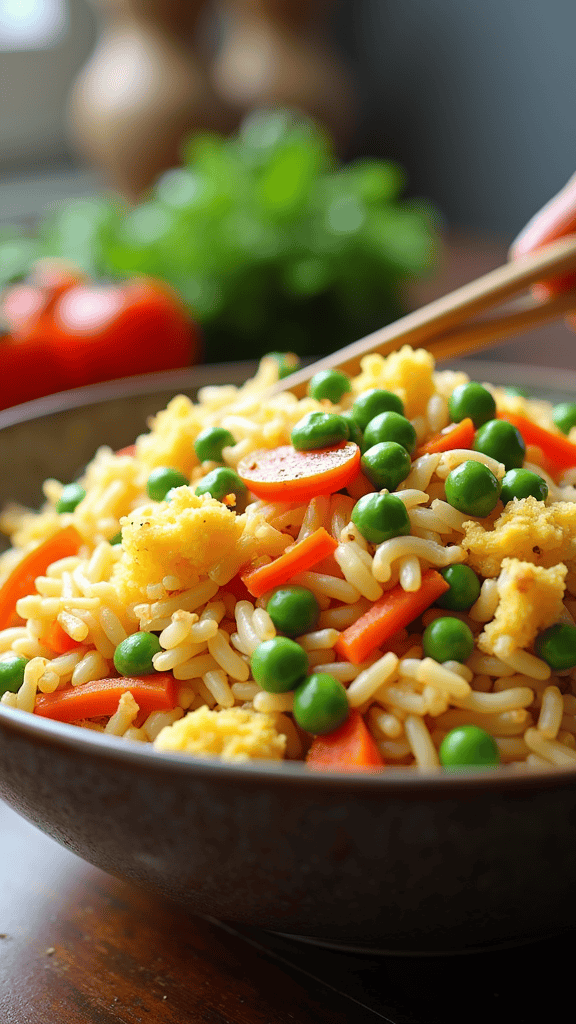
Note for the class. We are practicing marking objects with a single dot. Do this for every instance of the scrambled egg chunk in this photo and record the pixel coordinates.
(407, 372)
(527, 530)
(530, 600)
(172, 434)
(190, 537)
(234, 734)
(185, 537)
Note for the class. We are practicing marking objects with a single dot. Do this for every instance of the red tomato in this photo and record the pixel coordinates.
(29, 369)
(102, 333)
(66, 332)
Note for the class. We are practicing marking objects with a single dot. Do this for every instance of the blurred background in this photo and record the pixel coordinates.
(475, 101)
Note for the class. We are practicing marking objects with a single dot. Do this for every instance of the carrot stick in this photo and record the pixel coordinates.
(359, 486)
(20, 582)
(229, 626)
(393, 611)
(457, 435)
(58, 640)
(350, 748)
(238, 588)
(99, 698)
(559, 452)
(300, 557)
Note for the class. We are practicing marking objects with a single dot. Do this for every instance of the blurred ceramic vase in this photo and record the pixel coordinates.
(142, 91)
(276, 53)
(148, 85)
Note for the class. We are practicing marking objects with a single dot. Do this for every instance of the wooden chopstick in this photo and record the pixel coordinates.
(444, 326)
(493, 330)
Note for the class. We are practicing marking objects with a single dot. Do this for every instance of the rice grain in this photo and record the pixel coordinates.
(420, 742)
(551, 713)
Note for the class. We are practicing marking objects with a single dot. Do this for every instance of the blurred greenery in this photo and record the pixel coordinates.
(270, 241)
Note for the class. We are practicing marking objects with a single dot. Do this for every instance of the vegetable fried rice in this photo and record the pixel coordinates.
(381, 574)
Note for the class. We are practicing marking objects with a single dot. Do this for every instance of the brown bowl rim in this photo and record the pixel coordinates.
(61, 735)
(206, 374)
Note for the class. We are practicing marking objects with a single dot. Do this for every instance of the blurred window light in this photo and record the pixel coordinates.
(32, 24)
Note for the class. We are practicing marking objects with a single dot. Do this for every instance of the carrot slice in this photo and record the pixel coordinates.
(58, 640)
(350, 748)
(284, 474)
(393, 611)
(99, 698)
(300, 557)
(457, 435)
(20, 582)
(130, 449)
(559, 452)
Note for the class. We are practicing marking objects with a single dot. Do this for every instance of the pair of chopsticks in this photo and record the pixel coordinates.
(454, 326)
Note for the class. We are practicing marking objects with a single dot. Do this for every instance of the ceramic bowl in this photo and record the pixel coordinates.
(400, 861)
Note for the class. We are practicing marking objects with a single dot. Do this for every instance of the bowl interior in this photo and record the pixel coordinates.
(57, 436)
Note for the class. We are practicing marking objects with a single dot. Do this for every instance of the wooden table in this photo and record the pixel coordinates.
(79, 947)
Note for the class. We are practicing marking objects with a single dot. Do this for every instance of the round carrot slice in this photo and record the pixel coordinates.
(284, 474)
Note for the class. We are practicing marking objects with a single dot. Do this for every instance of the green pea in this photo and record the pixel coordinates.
(354, 432)
(133, 657)
(320, 704)
(501, 441)
(163, 479)
(220, 482)
(386, 464)
(12, 674)
(293, 610)
(448, 639)
(464, 588)
(71, 496)
(319, 430)
(390, 426)
(287, 362)
(371, 403)
(279, 664)
(472, 488)
(564, 416)
(521, 483)
(380, 517)
(210, 442)
(557, 646)
(468, 746)
(116, 539)
(330, 384)
(474, 401)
